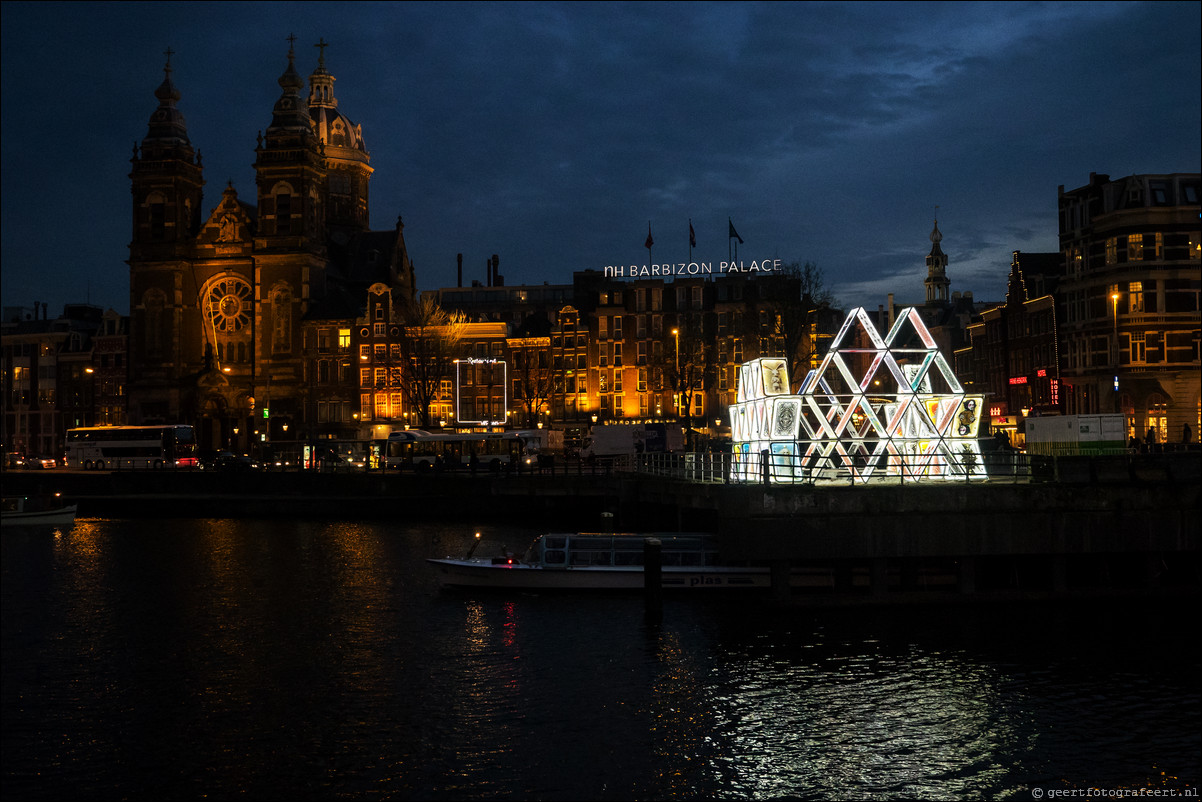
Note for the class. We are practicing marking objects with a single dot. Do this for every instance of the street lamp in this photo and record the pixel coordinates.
(676, 349)
(1114, 298)
(91, 395)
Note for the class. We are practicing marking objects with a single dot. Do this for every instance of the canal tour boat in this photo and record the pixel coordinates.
(24, 511)
(594, 561)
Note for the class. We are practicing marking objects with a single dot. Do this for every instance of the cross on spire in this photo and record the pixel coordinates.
(291, 44)
(322, 44)
(168, 53)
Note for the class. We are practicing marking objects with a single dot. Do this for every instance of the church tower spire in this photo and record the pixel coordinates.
(166, 178)
(166, 184)
(937, 282)
(290, 170)
(347, 160)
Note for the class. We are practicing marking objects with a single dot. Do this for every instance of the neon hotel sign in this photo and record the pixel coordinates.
(693, 269)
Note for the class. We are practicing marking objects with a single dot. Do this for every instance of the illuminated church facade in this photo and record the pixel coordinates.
(221, 295)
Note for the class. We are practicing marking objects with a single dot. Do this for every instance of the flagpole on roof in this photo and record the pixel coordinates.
(649, 242)
(732, 234)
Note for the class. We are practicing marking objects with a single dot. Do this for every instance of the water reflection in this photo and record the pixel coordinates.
(904, 726)
(312, 659)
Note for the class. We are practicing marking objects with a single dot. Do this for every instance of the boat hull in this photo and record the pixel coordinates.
(57, 517)
(484, 574)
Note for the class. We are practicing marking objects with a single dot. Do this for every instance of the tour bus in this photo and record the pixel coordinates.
(102, 447)
(422, 450)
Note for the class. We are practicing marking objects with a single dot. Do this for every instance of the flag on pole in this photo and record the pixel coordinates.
(734, 234)
(649, 241)
(692, 236)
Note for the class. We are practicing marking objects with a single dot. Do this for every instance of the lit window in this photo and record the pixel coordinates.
(1139, 352)
(1135, 295)
(1135, 247)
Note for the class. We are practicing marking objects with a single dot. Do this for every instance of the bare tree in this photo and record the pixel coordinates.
(689, 362)
(790, 301)
(432, 341)
(533, 378)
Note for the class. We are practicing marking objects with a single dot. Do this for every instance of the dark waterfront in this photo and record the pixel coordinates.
(177, 659)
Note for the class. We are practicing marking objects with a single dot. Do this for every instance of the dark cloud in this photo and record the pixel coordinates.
(551, 133)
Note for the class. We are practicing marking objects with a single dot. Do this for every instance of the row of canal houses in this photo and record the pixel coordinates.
(1108, 324)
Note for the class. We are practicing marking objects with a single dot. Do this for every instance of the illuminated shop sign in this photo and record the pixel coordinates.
(694, 269)
(1018, 379)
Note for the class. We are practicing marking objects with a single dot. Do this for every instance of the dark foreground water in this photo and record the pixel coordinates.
(299, 660)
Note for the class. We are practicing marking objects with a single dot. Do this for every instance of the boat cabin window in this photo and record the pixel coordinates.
(628, 556)
(591, 557)
(592, 542)
(554, 556)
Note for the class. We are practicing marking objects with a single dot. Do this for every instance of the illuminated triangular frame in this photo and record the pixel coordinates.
(846, 428)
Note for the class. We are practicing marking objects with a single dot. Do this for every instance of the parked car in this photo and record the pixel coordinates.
(207, 460)
(227, 461)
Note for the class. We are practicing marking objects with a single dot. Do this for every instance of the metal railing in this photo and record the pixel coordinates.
(1180, 465)
(728, 468)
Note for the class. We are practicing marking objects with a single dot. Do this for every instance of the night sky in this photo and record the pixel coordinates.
(551, 134)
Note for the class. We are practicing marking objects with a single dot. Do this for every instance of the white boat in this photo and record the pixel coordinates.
(24, 511)
(594, 561)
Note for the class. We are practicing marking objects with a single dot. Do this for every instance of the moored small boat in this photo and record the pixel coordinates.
(25, 511)
(593, 561)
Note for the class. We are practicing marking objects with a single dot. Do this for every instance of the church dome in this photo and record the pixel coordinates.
(167, 125)
(333, 127)
(290, 113)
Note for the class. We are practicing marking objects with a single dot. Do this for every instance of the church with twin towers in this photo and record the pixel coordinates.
(219, 288)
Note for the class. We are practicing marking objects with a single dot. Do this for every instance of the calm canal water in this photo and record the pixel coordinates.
(175, 659)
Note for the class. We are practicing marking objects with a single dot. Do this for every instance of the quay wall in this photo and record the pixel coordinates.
(917, 541)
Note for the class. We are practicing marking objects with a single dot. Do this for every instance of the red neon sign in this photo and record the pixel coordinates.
(1018, 379)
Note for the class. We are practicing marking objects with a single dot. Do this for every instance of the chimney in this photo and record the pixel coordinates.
(497, 278)
(459, 281)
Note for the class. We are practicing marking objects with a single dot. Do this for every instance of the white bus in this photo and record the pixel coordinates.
(154, 447)
(422, 450)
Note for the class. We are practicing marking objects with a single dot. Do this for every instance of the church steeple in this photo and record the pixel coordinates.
(291, 112)
(290, 169)
(167, 133)
(347, 161)
(167, 180)
(937, 282)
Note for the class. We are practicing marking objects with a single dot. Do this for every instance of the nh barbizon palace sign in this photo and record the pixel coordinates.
(693, 269)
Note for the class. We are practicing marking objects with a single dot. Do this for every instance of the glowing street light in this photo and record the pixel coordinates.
(676, 338)
(1114, 298)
